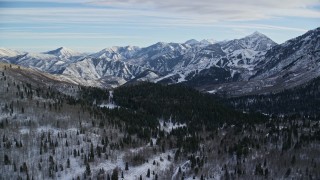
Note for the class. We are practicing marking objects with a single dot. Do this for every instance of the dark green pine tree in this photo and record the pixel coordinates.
(115, 175)
(6, 160)
(88, 170)
(91, 153)
(68, 163)
(148, 173)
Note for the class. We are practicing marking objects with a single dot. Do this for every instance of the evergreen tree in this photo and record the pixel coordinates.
(6, 160)
(91, 153)
(115, 173)
(266, 172)
(148, 173)
(88, 170)
(14, 167)
(74, 153)
(201, 178)
(68, 163)
(293, 160)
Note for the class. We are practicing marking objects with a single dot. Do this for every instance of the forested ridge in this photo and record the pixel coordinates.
(181, 104)
(151, 131)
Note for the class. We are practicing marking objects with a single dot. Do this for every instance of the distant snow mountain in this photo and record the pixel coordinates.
(64, 52)
(204, 42)
(208, 41)
(237, 66)
(116, 53)
(192, 42)
(8, 53)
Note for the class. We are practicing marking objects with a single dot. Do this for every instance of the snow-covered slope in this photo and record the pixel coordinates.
(99, 68)
(296, 55)
(45, 62)
(145, 76)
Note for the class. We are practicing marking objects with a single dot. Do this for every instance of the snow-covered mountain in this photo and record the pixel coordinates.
(54, 61)
(299, 55)
(238, 57)
(287, 65)
(237, 66)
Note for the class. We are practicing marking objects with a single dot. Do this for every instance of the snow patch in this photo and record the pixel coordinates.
(169, 126)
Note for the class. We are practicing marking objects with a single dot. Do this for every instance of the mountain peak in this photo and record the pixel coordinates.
(207, 41)
(191, 42)
(63, 52)
(161, 44)
(256, 34)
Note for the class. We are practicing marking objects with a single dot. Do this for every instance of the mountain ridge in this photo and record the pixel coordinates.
(249, 63)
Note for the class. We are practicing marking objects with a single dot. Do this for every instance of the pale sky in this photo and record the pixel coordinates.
(91, 25)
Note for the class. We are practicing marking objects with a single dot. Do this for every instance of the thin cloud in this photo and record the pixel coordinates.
(30, 35)
(129, 21)
(261, 26)
(226, 10)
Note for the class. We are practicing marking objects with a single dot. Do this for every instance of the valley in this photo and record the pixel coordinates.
(153, 132)
(241, 109)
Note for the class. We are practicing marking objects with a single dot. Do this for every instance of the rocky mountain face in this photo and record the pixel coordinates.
(253, 64)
